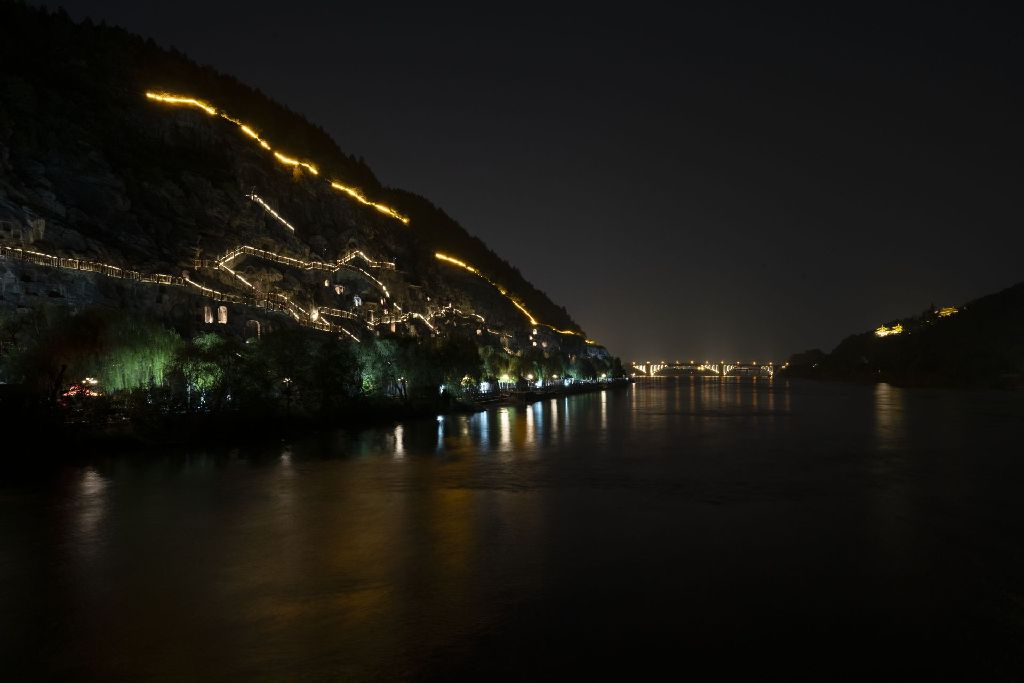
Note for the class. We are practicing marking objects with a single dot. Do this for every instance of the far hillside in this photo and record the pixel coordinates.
(978, 344)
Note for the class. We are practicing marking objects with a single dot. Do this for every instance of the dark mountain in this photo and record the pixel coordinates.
(95, 176)
(979, 344)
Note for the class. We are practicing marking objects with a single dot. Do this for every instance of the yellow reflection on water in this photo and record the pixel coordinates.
(890, 418)
(399, 436)
(91, 507)
(451, 529)
(553, 427)
(504, 438)
(604, 409)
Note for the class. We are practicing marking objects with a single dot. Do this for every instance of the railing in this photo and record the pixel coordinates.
(269, 301)
(342, 263)
(107, 270)
(82, 265)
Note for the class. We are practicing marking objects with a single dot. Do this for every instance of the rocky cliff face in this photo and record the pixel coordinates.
(110, 197)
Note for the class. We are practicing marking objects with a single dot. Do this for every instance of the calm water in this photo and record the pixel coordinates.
(720, 528)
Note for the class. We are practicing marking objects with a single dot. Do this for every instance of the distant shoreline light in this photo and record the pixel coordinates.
(354, 193)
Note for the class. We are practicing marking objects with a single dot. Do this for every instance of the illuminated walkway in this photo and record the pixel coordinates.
(344, 263)
(354, 193)
(281, 304)
(313, 318)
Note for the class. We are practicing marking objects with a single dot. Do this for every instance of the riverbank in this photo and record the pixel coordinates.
(65, 434)
(525, 396)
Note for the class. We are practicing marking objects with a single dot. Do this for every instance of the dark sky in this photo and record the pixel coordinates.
(721, 181)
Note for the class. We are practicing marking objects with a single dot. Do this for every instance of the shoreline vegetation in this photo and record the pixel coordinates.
(108, 378)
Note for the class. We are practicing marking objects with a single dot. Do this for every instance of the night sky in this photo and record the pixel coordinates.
(728, 182)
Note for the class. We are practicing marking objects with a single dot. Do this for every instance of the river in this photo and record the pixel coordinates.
(721, 528)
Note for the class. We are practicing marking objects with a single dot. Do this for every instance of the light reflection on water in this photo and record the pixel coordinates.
(604, 409)
(90, 504)
(889, 416)
(670, 513)
(399, 442)
(503, 424)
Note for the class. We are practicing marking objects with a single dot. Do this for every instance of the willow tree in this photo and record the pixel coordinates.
(134, 353)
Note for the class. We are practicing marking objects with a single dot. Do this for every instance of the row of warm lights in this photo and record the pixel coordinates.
(296, 311)
(168, 98)
(665, 363)
(373, 264)
(361, 198)
(450, 308)
(116, 271)
(883, 331)
(342, 261)
(288, 161)
(533, 321)
(315, 313)
(317, 264)
(715, 368)
(465, 266)
(444, 310)
(246, 249)
(266, 207)
(355, 193)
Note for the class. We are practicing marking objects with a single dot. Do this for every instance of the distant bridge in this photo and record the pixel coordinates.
(706, 368)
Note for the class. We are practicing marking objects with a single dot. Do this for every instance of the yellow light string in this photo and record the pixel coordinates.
(298, 263)
(259, 200)
(108, 270)
(354, 193)
(515, 302)
(361, 198)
